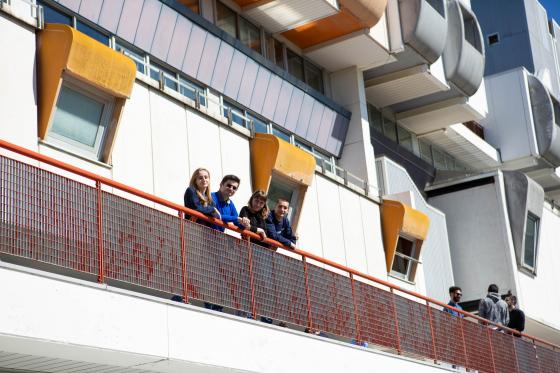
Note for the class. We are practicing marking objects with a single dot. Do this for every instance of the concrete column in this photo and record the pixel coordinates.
(357, 154)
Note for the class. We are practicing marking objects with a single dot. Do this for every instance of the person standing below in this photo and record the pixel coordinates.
(224, 204)
(197, 196)
(516, 316)
(278, 226)
(256, 212)
(493, 308)
(455, 294)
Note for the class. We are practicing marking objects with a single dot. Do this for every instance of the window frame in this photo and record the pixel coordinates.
(536, 224)
(411, 261)
(60, 141)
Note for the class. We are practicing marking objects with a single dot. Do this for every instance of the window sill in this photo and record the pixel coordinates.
(526, 271)
(408, 282)
(96, 162)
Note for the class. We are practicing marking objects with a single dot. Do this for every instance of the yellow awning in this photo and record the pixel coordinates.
(64, 49)
(269, 153)
(399, 219)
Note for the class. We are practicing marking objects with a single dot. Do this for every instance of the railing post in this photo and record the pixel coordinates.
(100, 254)
(399, 351)
(489, 330)
(307, 294)
(460, 321)
(357, 321)
(515, 351)
(432, 330)
(251, 278)
(536, 355)
(184, 258)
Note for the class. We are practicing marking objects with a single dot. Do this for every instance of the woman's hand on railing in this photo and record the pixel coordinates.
(216, 214)
(261, 233)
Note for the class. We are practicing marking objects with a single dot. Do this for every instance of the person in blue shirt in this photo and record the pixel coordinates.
(278, 226)
(224, 204)
(455, 294)
(197, 196)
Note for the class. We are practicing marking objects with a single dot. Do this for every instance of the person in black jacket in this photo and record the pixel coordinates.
(257, 212)
(278, 226)
(516, 316)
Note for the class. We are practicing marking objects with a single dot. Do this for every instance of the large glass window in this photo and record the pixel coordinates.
(226, 19)
(250, 35)
(295, 65)
(92, 33)
(531, 242)
(274, 51)
(404, 137)
(313, 76)
(405, 259)
(80, 119)
(52, 15)
(390, 129)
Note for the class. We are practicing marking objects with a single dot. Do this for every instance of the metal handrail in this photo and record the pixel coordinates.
(304, 254)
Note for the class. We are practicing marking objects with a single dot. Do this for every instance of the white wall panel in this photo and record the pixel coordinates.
(373, 239)
(309, 227)
(236, 159)
(353, 234)
(18, 110)
(331, 220)
(170, 152)
(132, 152)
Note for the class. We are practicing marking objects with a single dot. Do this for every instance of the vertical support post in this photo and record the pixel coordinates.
(488, 330)
(461, 320)
(432, 330)
(307, 294)
(515, 352)
(536, 355)
(252, 279)
(357, 321)
(399, 351)
(100, 254)
(184, 258)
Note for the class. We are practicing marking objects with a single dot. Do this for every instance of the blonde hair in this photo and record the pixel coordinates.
(205, 197)
(262, 195)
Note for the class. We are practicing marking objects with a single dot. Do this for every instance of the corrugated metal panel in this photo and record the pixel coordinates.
(295, 107)
(235, 74)
(247, 82)
(194, 50)
(164, 32)
(283, 103)
(73, 5)
(208, 60)
(91, 9)
(221, 70)
(179, 42)
(326, 126)
(272, 96)
(304, 115)
(129, 19)
(147, 25)
(259, 92)
(110, 14)
(315, 122)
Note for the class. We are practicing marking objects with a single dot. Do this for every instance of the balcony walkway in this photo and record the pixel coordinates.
(83, 229)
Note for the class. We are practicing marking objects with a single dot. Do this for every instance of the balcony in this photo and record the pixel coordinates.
(81, 230)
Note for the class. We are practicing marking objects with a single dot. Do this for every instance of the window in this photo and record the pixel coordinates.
(295, 65)
(282, 188)
(137, 57)
(280, 134)
(493, 39)
(235, 114)
(250, 35)
(274, 51)
(259, 125)
(375, 119)
(324, 161)
(313, 76)
(438, 5)
(80, 119)
(425, 151)
(390, 129)
(405, 259)
(439, 159)
(52, 15)
(169, 77)
(226, 19)
(92, 33)
(192, 91)
(531, 242)
(404, 137)
(471, 29)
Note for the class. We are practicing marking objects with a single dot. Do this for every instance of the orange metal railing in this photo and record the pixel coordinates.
(54, 221)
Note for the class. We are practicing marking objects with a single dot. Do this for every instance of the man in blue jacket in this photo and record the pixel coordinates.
(278, 226)
(224, 204)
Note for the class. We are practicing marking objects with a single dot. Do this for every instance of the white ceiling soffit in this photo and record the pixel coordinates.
(282, 15)
(355, 49)
(438, 116)
(402, 86)
(548, 178)
(464, 145)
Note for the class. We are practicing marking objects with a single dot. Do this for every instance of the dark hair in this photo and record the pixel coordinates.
(261, 194)
(282, 199)
(453, 289)
(230, 177)
(493, 288)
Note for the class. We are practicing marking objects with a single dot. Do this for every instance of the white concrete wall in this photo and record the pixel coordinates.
(535, 291)
(65, 319)
(18, 91)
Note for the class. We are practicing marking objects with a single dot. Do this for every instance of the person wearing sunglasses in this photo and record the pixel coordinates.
(224, 204)
(455, 294)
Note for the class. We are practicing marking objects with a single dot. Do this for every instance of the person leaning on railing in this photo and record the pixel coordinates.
(197, 196)
(278, 226)
(256, 212)
(224, 204)
(516, 316)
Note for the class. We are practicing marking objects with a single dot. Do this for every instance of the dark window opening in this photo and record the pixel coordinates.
(493, 39)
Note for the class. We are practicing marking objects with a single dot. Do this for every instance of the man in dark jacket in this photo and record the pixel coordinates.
(493, 308)
(278, 226)
(516, 316)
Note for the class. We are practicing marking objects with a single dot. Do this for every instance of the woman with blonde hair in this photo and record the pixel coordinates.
(197, 196)
(257, 212)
